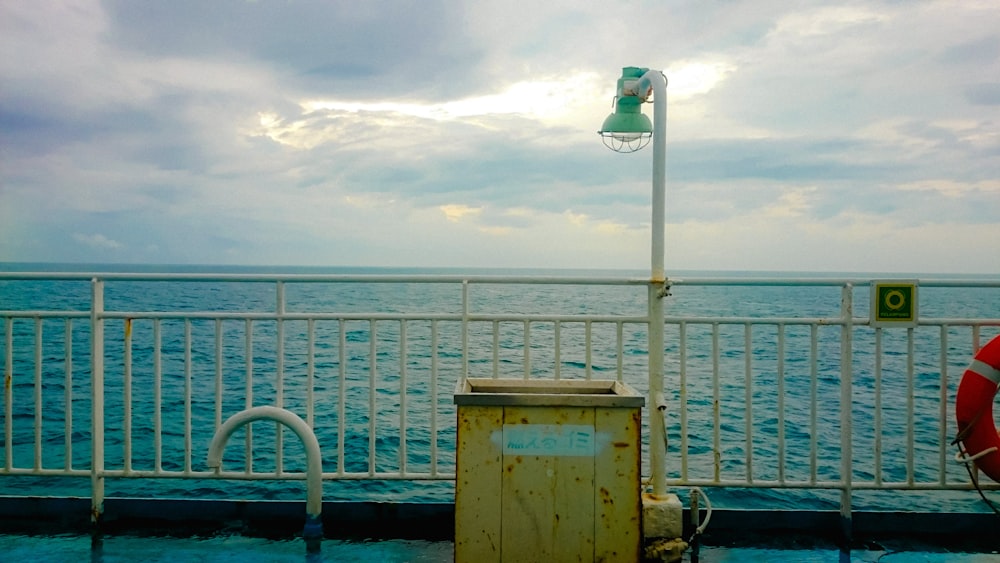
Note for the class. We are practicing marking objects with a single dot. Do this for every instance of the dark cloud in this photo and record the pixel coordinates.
(26, 131)
(372, 48)
(983, 50)
(500, 172)
(157, 131)
(784, 160)
(984, 94)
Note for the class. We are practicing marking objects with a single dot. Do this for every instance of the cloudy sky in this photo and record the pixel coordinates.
(801, 136)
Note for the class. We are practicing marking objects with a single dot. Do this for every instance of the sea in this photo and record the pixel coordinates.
(383, 371)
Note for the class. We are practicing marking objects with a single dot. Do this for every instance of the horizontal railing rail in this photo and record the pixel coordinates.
(127, 376)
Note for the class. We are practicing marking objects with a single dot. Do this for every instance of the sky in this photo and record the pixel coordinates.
(801, 136)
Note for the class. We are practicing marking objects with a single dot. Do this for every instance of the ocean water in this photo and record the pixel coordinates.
(393, 392)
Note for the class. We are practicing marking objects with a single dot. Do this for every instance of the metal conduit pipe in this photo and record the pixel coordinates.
(658, 287)
(314, 460)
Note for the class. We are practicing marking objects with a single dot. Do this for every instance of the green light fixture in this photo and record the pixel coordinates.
(628, 129)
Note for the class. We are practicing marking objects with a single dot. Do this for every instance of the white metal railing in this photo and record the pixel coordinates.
(760, 395)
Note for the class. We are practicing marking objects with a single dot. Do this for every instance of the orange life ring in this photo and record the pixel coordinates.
(977, 432)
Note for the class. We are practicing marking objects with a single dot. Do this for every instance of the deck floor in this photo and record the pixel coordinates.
(239, 549)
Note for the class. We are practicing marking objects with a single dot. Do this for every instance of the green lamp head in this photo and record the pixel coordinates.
(627, 129)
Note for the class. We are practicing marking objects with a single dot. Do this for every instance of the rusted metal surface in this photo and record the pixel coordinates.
(477, 485)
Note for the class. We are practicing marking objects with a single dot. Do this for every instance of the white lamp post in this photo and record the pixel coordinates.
(628, 130)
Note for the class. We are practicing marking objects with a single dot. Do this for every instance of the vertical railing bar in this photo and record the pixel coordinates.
(682, 382)
(748, 396)
(218, 373)
(527, 349)
(910, 390)
(846, 401)
(434, 396)
(342, 393)
(716, 407)
(976, 340)
(157, 397)
(557, 336)
(38, 393)
(402, 397)
(310, 372)
(68, 390)
(279, 384)
(465, 330)
(8, 394)
(496, 349)
(878, 406)
(248, 399)
(589, 348)
(813, 403)
(188, 426)
(943, 408)
(127, 398)
(97, 399)
(781, 403)
(620, 350)
(372, 386)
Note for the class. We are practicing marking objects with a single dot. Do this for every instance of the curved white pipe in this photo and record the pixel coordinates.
(314, 460)
(655, 80)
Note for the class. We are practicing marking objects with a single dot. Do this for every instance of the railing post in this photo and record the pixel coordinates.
(8, 394)
(846, 400)
(96, 400)
(465, 330)
(279, 363)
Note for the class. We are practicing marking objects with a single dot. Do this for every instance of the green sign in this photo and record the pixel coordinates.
(894, 304)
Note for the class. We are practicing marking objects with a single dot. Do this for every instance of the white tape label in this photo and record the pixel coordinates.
(548, 439)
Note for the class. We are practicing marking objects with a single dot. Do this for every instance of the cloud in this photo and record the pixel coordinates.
(691, 78)
(364, 134)
(953, 189)
(826, 21)
(539, 99)
(97, 240)
(456, 213)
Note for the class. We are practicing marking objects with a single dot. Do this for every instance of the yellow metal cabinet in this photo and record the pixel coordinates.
(547, 471)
